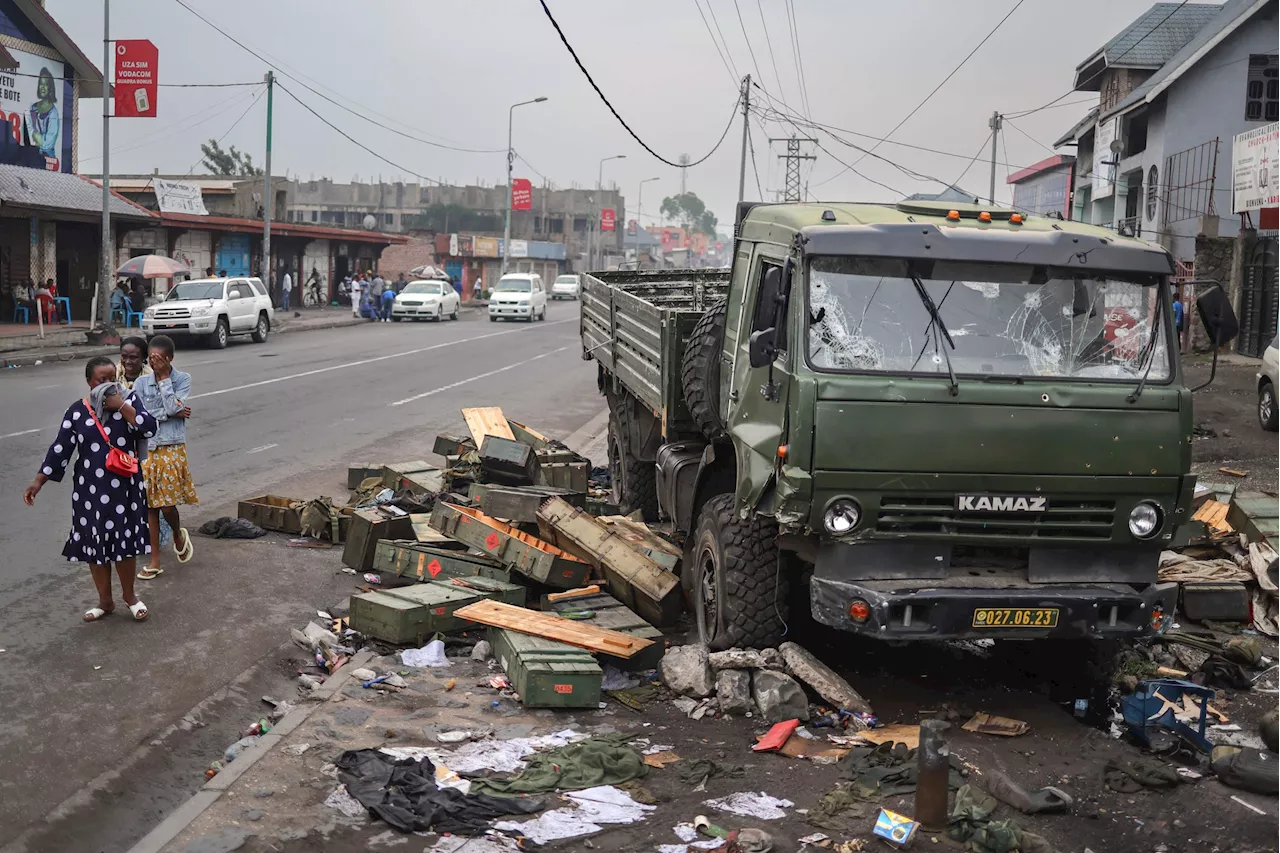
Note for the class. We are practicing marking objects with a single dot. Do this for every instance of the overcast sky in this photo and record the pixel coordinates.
(448, 72)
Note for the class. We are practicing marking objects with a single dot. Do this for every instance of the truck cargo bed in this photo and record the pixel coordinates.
(635, 325)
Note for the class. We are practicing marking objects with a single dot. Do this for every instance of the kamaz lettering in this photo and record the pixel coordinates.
(998, 503)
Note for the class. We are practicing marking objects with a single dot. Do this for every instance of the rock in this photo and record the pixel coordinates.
(363, 674)
(779, 696)
(822, 679)
(224, 841)
(394, 680)
(482, 651)
(233, 751)
(1127, 683)
(253, 814)
(747, 659)
(1269, 728)
(686, 670)
(733, 690)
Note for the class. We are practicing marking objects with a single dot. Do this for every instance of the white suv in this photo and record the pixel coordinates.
(566, 287)
(518, 296)
(212, 308)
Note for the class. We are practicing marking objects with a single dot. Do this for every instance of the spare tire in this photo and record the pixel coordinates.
(700, 371)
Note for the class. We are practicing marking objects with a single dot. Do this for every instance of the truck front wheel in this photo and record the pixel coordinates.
(738, 589)
(635, 484)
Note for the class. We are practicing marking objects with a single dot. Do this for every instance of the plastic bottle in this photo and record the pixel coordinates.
(370, 577)
(309, 681)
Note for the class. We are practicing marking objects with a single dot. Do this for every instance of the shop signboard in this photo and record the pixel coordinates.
(608, 219)
(1104, 165)
(1255, 178)
(137, 62)
(37, 101)
(179, 197)
(519, 249)
(521, 194)
(486, 247)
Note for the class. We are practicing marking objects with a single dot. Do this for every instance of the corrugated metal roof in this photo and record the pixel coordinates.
(38, 188)
(1158, 34)
(1078, 129)
(1232, 14)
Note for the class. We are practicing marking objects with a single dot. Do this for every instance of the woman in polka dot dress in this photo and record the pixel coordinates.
(109, 511)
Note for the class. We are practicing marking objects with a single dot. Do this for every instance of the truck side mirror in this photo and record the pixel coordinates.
(762, 347)
(1216, 313)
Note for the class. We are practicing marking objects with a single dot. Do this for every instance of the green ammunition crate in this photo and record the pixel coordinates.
(412, 613)
(388, 618)
(412, 560)
(451, 445)
(518, 503)
(570, 476)
(515, 549)
(358, 472)
(545, 673)
(512, 463)
(601, 506)
(608, 612)
(392, 474)
(367, 527)
(423, 482)
(528, 435)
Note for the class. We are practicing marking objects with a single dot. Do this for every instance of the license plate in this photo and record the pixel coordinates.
(1015, 617)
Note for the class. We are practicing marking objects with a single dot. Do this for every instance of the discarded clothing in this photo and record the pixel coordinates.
(1128, 777)
(887, 770)
(227, 527)
(760, 805)
(1243, 650)
(592, 807)
(1224, 673)
(404, 793)
(318, 518)
(597, 761)
(844, 801)
(1247, 769)
(699, 770)
(971, 825)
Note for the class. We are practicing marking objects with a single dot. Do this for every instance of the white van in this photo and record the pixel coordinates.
(518, 296)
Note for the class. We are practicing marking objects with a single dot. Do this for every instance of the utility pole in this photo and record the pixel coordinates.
(267, 196)
(511, 156)
(746, 112)
(107, 264)
(996, 122)
(684, 172)
(792, 158)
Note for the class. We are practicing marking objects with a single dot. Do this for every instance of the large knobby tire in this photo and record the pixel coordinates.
(635, 482)
(739, 590)
(700, 371)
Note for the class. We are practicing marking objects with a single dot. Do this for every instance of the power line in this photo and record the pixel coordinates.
(733, 72)
(751, 143)
(564, 39)
(918, 106)
(1004, 145)
(1028, 136)
(865, 177)
(203, 116)
(773, 60)
(711, 10)
(1021, 113)
(234, 124)
(747, 39)
(794, 27)
(973, 160)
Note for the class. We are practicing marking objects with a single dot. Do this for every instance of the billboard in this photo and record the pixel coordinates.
(486, 247)
(608, 219)
(137, 63)
(521, 194)
(37, 103)
(1104, 176)
(179, 197)
(1254, 173)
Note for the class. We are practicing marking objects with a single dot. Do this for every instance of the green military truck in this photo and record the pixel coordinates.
(927, 421)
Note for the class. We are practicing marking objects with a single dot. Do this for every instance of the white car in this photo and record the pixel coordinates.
(429, 299)
(212, 308)
(566, 287)
(518, 296)
(1267, 383)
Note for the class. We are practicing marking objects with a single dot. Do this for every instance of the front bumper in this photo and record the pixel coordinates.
(182, 326)
(914, 610)
(430, 310)
(510, 310)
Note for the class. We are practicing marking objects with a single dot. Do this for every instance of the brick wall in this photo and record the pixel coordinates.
(397, 259)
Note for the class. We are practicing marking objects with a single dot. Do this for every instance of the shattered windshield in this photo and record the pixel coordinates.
(1005, 320)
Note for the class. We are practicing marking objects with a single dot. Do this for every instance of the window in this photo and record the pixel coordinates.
(314, 215)
(555, 226)
(1262, 89)
(1153, 193)
(771, 287)
(388, 218)
(537, 225)
(579, 224)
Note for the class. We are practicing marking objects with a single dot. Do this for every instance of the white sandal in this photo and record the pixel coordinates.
(139, 611)
(188, 550)
(93, 614)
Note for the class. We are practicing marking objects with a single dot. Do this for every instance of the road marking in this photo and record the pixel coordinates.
(453, 385)
(47, 387)
(365, 361)
(262, 448)
(16, 434)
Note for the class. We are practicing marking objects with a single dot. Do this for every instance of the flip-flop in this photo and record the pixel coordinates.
(93, 614)
(148, 574)
(188, 550)
(139, 611)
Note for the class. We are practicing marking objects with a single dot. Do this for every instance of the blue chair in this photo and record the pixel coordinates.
(21, 309)
(65, 302)
(130, 314)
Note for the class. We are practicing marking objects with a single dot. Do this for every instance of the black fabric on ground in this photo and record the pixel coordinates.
(1221, 672)
(403, 792)
(699, 770)
(227, 527)
(1246, 768)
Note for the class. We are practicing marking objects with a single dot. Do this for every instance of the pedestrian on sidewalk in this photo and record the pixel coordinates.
(286, 286)
(357, 293)
(388, 300)
(479, 288)
(133, 361)
(164, 392)
(108, 499)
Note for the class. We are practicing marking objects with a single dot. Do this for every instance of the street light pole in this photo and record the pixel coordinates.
(640, 215)
(597, 244)
(506, 230)
(106, 264)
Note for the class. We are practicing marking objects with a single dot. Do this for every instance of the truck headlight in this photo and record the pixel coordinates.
(1144, 520)
(841, 517)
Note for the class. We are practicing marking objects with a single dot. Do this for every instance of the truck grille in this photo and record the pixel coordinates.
(172, 313)
(936, 516)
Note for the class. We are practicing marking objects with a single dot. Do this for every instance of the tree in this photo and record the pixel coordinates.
(690, 212)
(228, 162)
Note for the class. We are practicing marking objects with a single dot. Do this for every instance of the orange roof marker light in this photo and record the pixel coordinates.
(954, 216)
(1016, 218)
(984, 216)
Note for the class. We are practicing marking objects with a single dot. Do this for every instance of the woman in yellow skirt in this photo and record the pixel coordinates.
(167, 476)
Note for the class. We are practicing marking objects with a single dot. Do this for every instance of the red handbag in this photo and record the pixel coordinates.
(118, 461)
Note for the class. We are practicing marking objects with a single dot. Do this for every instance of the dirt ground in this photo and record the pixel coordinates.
(1229, 407)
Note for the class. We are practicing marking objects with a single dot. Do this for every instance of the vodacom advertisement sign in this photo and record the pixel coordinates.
(137, 62)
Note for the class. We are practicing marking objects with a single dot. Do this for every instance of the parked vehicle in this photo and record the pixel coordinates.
(428, 299)
(928, 421)
(518, 296)
(213, 309)
(1268, 381)
(566, 287)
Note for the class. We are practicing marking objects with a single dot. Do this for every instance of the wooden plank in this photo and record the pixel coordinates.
(605, 611)
(486, 420)
(570, 594)
(632, 576)
(598, 640)
(528, 435)
(1214, 515)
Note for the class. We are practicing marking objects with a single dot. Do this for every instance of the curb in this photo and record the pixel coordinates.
(188, 812)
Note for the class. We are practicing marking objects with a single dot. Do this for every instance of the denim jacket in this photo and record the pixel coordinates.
(164, 399)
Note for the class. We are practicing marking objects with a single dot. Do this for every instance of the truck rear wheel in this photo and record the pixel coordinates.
(700, 370)
(739, 591)
(635, 483)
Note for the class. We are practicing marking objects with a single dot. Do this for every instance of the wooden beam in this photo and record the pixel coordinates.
(486, 420)
(598, 640)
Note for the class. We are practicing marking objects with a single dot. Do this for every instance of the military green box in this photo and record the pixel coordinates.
(569, 476)
(393, 473)
(367, 527)
(607, 612)
(412, 613)
(431, 482)
(1255, 515)
(412, 560)
(518, 503)
(545, 673)
(513, 463)
(358, 472)
(386, 617)
(601, 506)
(452, 445)
(515, 549)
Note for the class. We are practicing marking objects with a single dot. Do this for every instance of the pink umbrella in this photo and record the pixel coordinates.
(152, 266)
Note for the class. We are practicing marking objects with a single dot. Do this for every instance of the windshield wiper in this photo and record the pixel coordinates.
(939, 328)
(1148, 351)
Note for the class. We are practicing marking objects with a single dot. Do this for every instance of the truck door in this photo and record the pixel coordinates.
(757, 404)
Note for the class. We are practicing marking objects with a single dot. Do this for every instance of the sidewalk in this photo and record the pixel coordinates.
(60, 347)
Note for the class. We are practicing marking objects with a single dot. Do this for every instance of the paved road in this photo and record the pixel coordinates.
(285, 417)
